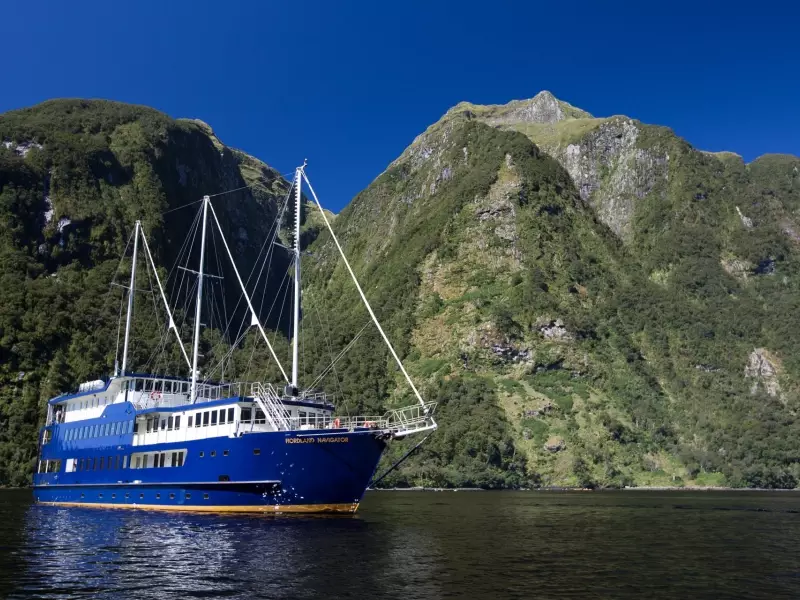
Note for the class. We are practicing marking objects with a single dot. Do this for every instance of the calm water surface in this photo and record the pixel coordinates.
(416, 545)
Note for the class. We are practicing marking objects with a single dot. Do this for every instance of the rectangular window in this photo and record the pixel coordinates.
(125, 462)
(162, 459)
(100, 468)
(149, 426)
(174, 459)
(136, 427)
(170, 422)
(109, 463)
(213, 417)
(139, 385)
(197, 420)
(190, 421)
(178, 422)
(222, 417)
(138, 462)
(144, 461)
(230, 415)
(94, 464)
(303, 417)
(163, 424)
(205, 419)
(180, 459)
(116, 462)
(247, 414)
(260, 418)
(225, 452)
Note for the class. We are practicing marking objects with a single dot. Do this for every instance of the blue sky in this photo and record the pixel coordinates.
(349, 85)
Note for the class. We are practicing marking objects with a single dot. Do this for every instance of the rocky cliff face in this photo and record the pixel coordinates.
(598, 281)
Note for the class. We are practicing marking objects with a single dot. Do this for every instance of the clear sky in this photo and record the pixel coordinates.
(350, 85)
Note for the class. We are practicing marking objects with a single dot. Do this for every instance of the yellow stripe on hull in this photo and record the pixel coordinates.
(275, 508)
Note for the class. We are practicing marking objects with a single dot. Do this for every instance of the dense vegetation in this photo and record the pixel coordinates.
(74, 177)
(559, 351)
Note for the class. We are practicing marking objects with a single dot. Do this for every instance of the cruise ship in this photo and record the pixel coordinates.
(142, 440)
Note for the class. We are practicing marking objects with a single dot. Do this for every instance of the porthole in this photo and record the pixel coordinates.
(82, 496)
(256, 451)
(158, 496)
(213, 453)
(188, 496)
(172, 496)
(141, 496)
(127, 496)
(226, 452)
(201, 454)
(113, 496)
(205, 496)
(100, 496)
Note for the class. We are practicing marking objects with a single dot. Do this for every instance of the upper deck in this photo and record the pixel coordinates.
(158, 393)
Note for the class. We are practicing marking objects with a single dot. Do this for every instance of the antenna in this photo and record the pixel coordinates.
(198, 307)
(296, 320)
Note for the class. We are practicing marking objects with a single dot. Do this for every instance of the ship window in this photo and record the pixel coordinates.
(213, 453)
(180, 459)
(170, 422)
(113, 496)
(127, 495)
(222, 417)
(125, 462)
(178, 422)
(226, 452)
(100, 468)
(136, 427)
(247, 414)
(173, 460)
(205, 496)
(230, 415)
(172, 496)
(256, 451)
(202, 454)
(205, 419)
(100, 496)
(94, 464)
(138, 462)
(141, 496)
(260, 418)
(149, 425)
(190, 421)
(109, 463)
(162, 459)
(116, 462)
(158, 496)
(188, 496)
(213, 417)
(197, 420)
(157, 386)
(303, 418)
(163, 424)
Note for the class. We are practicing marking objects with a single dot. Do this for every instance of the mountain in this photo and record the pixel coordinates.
(74, 177)
(591, 301)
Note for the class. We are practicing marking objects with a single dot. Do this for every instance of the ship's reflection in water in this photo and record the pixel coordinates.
(415, 545)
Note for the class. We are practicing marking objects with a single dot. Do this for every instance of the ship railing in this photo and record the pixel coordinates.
(399, 421)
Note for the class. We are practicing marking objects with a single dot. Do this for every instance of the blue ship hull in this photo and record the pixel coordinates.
(296, 471)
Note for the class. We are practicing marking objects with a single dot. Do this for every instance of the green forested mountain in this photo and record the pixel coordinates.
(591, 301)
(74, 177)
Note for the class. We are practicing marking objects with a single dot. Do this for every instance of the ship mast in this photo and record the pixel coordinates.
(129, 316)
(198, 306)
(296, 321)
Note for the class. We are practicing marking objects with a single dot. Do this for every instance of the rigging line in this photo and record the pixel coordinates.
(326, 332)
(344, 351)
(250, 305)
(269, 244)
(361, 293)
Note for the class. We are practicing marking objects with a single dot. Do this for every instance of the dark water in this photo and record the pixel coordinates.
(417, 545)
